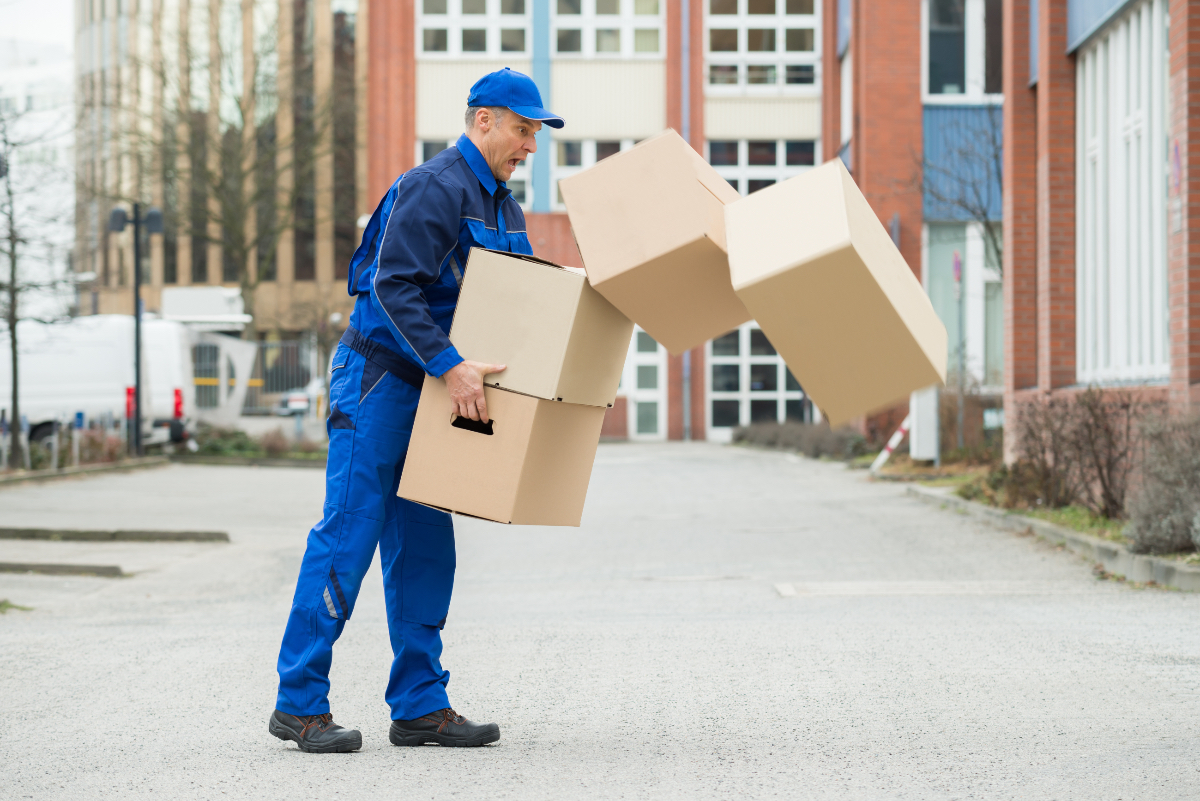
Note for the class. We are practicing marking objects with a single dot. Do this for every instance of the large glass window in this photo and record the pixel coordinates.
(472, 28)
(748, 382)
(756, 164)
(947, 47)
(761, 46)
(608, 28)
(1121, 191)
(643, 383)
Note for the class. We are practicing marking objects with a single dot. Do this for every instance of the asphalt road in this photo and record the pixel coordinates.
(649, 654)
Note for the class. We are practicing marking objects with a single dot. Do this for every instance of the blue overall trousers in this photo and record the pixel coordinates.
(406, 275)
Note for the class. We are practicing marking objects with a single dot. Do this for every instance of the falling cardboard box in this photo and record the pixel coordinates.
(650, 226)
(814, 265)
(564, 346)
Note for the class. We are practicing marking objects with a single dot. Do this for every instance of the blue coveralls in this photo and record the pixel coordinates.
(406, 276)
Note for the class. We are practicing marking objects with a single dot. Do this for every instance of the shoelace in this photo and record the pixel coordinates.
(320, 721)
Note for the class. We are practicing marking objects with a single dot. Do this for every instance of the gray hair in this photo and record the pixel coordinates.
(497, 112)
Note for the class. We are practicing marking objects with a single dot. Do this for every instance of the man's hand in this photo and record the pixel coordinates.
(465, 382)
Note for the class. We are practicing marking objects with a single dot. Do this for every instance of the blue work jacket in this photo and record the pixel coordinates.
(408, 270)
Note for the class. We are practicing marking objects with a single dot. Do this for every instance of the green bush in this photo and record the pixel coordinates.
(216, 441)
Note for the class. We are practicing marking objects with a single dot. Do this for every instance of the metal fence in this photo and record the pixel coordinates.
(279, 368)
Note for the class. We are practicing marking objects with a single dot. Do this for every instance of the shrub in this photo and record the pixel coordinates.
(1164, 508)
(217, 441)
(274, 443)
(98, 445)
(812, 440)
(1043, 438)
(1104, 441)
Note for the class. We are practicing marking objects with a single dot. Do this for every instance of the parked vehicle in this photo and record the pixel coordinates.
(86, 365)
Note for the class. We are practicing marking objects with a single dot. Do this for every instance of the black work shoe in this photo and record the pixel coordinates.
(444, 727)
(316, 734)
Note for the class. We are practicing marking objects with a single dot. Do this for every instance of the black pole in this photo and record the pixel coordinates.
(137, 329)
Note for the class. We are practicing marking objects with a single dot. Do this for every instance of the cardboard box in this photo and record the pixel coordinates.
(815, 267)
(650, 226)
(559, 337)
(530, 465)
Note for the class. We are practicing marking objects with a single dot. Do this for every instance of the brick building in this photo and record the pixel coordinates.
(912, 97)
(1102, 225)
(739, 79)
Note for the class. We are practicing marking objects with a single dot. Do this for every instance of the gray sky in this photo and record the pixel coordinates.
(38, 20)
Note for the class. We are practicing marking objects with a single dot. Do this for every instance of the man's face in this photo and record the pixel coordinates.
(507, 142)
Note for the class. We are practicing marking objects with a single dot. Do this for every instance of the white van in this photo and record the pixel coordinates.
(86, 365)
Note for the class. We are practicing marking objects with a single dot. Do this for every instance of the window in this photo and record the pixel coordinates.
(723, 154)
(760, 40)
(512, 40)
(749, 383)
(723, 41)
(947, 47)
(570, 154)
(474, 40)
(435, 40)
(749, 166)
(644, 389)
(723, 74)
(518, 191)
(756, 34)
(760, 73)
(1121, 193)
(799, 40)
(761, 153)
(645, 40)
(608, 28)
(570, 41)
(959, 249)
(472, 28)
(963, 49)
(801, 154)
(800, 73)
(431, 149)
(606, 149)
(725, 378)
(608, 40)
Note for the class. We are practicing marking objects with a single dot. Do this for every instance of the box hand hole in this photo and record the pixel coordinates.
(467, 424)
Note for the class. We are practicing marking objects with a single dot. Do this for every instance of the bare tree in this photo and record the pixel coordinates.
(27, 170)
(238, 175)
(967, 177)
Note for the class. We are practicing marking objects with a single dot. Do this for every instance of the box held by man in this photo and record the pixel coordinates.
(529, 464)
(560, 338)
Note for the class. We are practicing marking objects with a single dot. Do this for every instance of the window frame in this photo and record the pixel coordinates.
(781, 58)
(454, 22)
(626, 22)
(975, 59)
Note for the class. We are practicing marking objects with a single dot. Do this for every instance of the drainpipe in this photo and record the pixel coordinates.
(685, 107)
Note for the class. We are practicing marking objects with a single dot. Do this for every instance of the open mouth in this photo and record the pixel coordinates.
(514, 163)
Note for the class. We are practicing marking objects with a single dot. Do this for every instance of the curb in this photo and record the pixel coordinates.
(110, 535)
(102, 571)
(83, 470)
(248, 461)
(1112, 557)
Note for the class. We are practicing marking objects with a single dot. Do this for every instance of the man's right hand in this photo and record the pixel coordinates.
(465, 382)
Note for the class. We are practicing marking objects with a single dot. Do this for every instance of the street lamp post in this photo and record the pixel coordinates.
(154, 225)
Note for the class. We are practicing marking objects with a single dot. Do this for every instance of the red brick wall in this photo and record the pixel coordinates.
(674, 87)
(1020, 209)
(831, 79)
(1055, 199)
(551, 237)
(391, 94)
(1183, 205)
(888, 127)
(616, 421)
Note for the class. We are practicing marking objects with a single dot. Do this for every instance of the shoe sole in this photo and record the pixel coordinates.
(284, 733)
(441, 739)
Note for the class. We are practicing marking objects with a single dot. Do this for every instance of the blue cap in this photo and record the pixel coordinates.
(512, 90)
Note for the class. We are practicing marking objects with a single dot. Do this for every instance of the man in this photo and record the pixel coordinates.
(406, 276)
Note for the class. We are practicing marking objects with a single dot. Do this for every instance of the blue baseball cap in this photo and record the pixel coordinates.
(512, 90)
